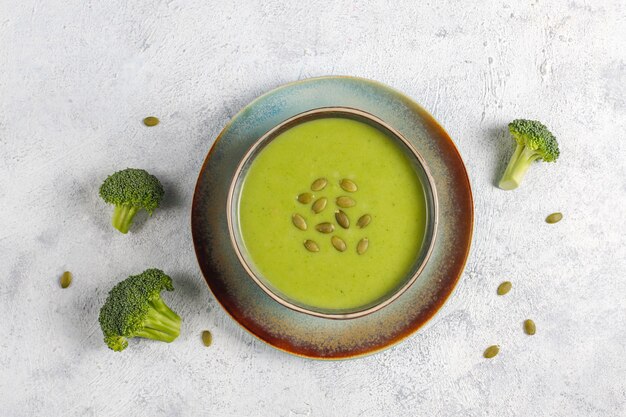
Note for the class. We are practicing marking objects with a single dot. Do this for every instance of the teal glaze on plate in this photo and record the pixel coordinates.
(299, 333)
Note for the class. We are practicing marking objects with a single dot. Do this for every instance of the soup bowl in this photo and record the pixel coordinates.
(246, 256)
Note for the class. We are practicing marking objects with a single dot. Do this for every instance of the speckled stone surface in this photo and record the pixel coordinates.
(77, 78)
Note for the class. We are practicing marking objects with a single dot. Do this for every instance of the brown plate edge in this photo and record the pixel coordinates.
(444, 294)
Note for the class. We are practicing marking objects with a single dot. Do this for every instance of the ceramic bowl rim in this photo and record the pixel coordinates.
(355, 114)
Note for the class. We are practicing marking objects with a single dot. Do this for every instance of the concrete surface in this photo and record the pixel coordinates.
(76, 79)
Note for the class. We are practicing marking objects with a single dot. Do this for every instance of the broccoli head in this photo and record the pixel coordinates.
(134, 308)
(534, 142)
(131, 190)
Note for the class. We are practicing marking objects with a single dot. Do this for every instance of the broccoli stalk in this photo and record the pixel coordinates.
(160, 323)
(123, 216)
(130, 191)
(517, 167)
(134, 308)
(534, 142)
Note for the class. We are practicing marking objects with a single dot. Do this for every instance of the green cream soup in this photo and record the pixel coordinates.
(388, 189)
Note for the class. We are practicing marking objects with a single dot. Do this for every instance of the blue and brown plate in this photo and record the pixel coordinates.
(305, 334)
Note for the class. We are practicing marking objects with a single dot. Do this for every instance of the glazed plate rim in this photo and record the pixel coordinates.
(296, 332)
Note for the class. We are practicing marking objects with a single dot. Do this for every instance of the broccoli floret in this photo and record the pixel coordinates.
(134, 308)
(131, 190)
(534, 141)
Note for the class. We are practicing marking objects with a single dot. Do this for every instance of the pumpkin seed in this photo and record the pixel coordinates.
(319, 184)
(338, 243)
(345, 202)
(362, 246)
(491, 351)
(207, 338)
(305, 198)
(504, 288)
(299, 221)
(342, 219)
(66, 279)
(311, 246)
(319, 205)
(151, 121)
(364, 220)
(554, 218)
(529, 327)
(325, 227)
(348, 185)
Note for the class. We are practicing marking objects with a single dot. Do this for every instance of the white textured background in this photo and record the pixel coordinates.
(76, 79)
